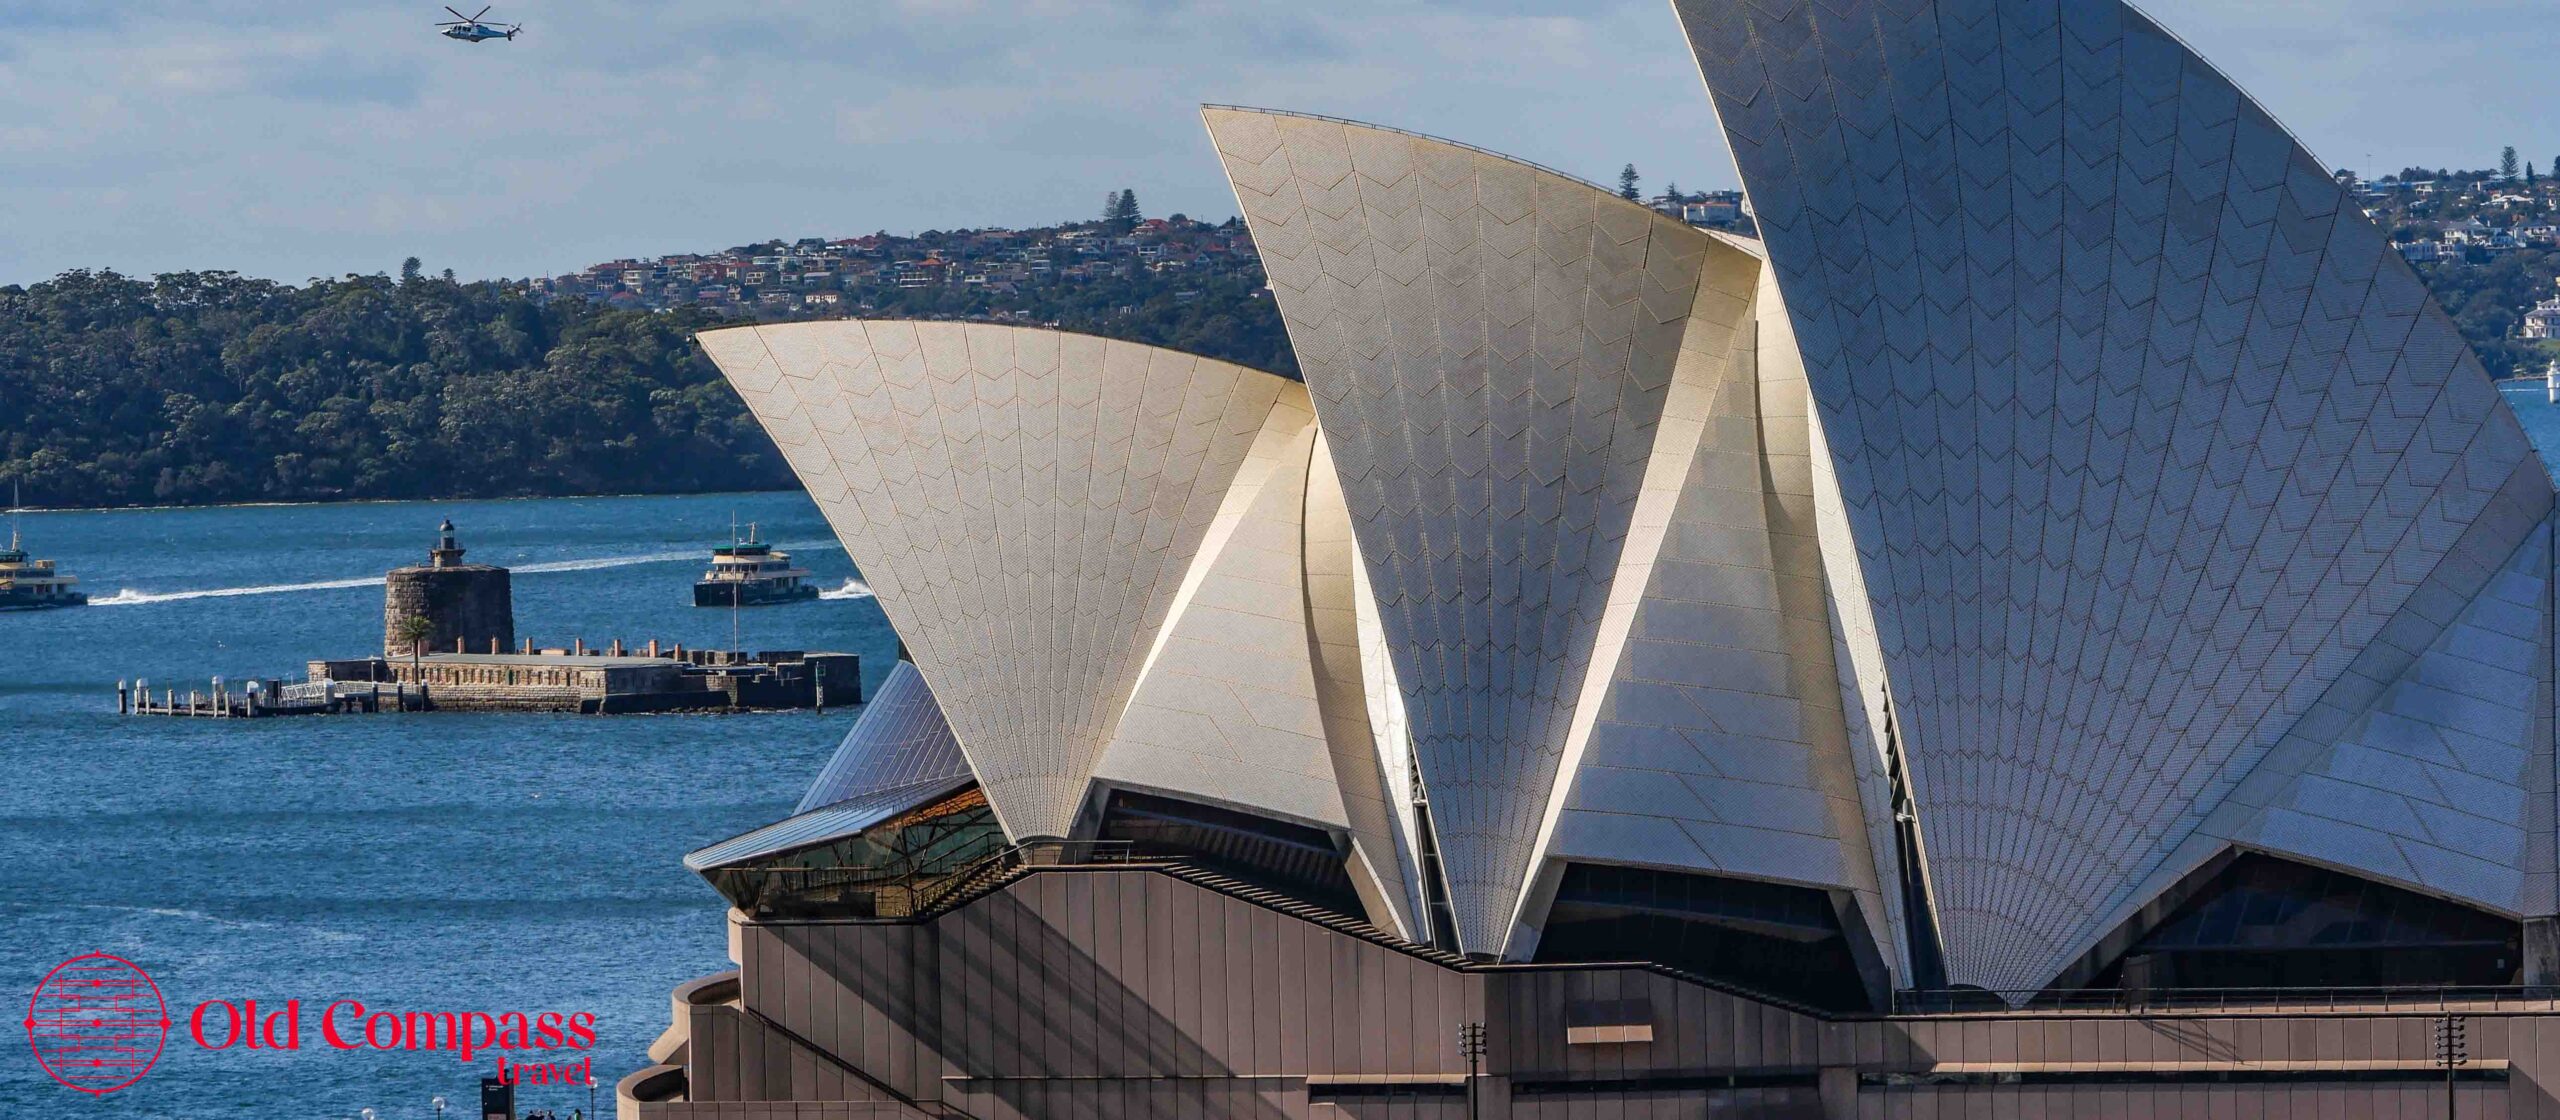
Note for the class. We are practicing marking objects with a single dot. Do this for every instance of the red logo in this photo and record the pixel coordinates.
(97, 1023)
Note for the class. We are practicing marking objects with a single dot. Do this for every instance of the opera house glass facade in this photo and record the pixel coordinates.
(2058, 624)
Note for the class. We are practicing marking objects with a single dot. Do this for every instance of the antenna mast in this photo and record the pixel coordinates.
(737, 591)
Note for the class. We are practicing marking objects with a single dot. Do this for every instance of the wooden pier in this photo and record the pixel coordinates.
(271, 698)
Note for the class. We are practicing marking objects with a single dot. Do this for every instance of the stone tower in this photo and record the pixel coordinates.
(470, 603)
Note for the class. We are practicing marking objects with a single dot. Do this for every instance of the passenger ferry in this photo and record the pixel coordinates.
(28, 584)
(750, 573)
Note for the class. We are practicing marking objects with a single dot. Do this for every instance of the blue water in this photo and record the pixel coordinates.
(435, 862)
(2540, 417)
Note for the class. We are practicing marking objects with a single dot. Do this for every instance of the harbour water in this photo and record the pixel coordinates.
(2539, 415)
(439, 862)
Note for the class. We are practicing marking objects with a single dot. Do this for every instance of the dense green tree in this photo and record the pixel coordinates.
(202, 387)
(2488, 301)
(209, 387)
(1120, 212)
(2507, 163)
(1627, 184)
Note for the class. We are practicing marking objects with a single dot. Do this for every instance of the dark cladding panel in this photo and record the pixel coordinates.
(2090, 1042)
(975, 1010)
(1313, 1033)
(2328, 1101)
(2032, 1045)
(1011, 1020)
(2537, 1046)
(933, 1057)
(1392, 992)
(1234, 927)
(1440, 997)
(809, 1003)
(1507, 1030)
(2004, 1045)
(1110, 920)
(775, 1055)
(1578, 989)
(1138, 972)
(1142, 973)
(1035, 1004)
(1340, 1024)
(1289, 950)
(760, 984)
(1270, 978)
(1218, 1001)
(1378, 975)
(1681, 1039)
(1252, 960)
(1023, 935)
(1182, 1009)
(1076, 980)
(890, 985)
(1555, 989)
(794, 1012)
(714, 1055)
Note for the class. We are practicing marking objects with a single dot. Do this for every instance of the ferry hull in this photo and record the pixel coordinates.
(10, 601)
(743, 594)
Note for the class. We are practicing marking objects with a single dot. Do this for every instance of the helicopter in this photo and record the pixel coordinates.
(469, 29)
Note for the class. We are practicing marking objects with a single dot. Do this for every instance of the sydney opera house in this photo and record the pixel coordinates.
(2059, 624)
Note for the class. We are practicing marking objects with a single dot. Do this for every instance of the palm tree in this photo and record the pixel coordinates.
(415, 630)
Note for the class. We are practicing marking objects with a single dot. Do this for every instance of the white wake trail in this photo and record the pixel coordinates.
(852, 589)
(595, 563)
(130, 597)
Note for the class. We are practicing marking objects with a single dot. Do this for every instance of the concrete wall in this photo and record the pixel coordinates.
(1111, 993)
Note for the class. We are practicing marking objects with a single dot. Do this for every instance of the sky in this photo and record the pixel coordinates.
(291, 140)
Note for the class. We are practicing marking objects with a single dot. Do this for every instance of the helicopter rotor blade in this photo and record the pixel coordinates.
(457, 16)
(483, 11)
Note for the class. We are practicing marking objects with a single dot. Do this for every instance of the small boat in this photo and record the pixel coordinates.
(28, 584)
(750, 573)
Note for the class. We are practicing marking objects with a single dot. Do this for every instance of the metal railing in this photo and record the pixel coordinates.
(933, 896)
(2400, 997)
(919, 883)
(307, 692)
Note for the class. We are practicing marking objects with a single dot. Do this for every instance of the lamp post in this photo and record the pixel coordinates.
(2451, 1051)
(591, 1096)
(1471, 1046)
(439, 1103)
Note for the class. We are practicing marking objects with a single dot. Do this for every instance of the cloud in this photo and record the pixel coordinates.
(299, 140)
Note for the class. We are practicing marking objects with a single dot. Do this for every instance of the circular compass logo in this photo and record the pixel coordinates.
(97, 1023)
